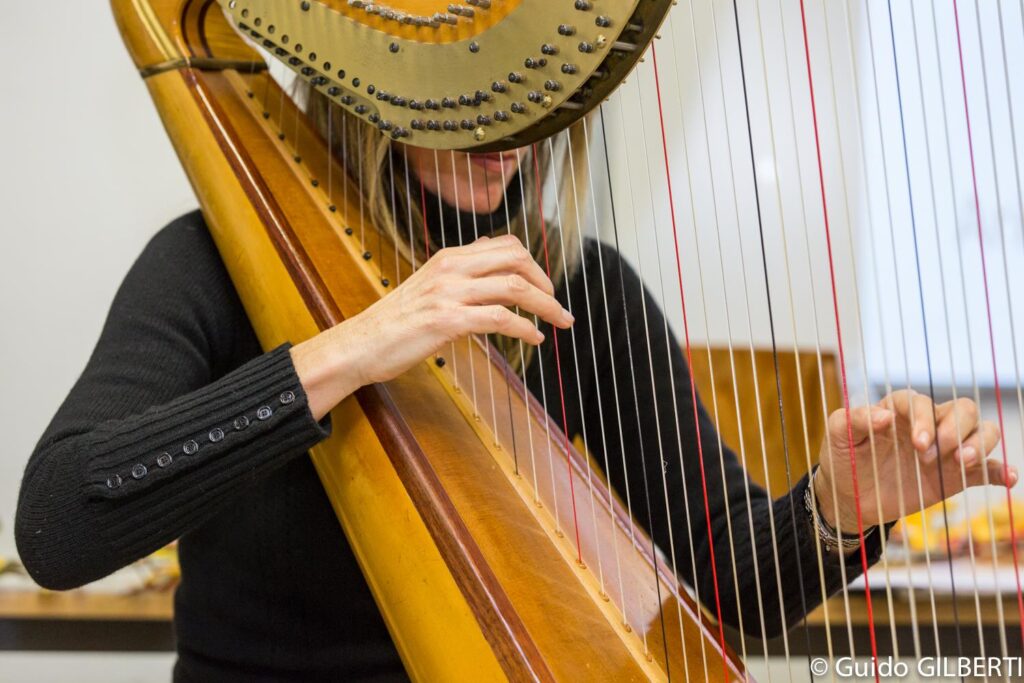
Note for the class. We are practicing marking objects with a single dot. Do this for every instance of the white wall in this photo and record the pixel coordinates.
(88, 176)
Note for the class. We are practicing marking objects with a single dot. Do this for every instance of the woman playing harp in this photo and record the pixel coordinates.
(180, 427)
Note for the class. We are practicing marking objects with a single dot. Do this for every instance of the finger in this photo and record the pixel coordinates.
(995, 473)
(510, 259)
(978, 444)
(918, 410)
(515, 290)
(499, 320)
(861, 422)
(957, 420)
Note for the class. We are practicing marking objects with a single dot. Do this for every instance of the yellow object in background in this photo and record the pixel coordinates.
(926, 530)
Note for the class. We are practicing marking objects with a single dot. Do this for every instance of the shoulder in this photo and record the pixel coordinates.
(179, 282)
(181, 258)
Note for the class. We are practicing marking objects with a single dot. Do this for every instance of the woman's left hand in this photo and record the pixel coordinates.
(902, 427)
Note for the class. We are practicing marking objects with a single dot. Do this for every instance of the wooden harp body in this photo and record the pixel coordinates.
(474, 579)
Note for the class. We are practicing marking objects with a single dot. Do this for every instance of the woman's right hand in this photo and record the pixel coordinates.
(459, 291)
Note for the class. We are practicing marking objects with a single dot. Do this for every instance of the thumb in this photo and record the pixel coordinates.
(853, 426)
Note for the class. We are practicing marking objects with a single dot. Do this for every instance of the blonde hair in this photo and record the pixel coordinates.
(348, 135)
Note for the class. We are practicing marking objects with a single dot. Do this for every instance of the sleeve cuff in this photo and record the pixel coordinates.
(250, 419)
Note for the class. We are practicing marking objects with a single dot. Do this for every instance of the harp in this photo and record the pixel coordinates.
(471, 512)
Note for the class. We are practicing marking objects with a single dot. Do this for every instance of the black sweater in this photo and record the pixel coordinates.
(181, 427)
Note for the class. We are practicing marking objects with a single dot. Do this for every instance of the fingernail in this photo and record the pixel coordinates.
(931, 454)
(922, 438)
(567, 317)
(1013, 476)
(540, 336)
(968, 455)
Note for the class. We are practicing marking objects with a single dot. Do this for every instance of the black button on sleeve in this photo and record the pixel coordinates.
(114, 481)
(139, 471)
(241, 423)
(164, 460)
(287, 397)
(264, 413)
(216, 434)
(190, 447)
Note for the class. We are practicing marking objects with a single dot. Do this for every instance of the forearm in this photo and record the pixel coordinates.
(94, 501)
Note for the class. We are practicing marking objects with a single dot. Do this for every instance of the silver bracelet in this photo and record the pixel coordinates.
(828, 536)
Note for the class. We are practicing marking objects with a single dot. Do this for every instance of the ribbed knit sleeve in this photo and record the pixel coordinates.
(166, 422)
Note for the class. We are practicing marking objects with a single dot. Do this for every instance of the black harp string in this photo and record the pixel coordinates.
(812, 291)
(750, 336)
(572, 333)
(611, 352)
(768, 297)
(629, 342)
(668, 342)
(856, 308)
(793, 330)
(644, 454)
(731, 352)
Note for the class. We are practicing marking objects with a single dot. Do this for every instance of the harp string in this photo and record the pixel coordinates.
(903, 338)
(632, 360)
(949, 336)
(729, 337)
(859, 327)
(792, 306)
(590, 334)
(988, 313)
(458, 226)
(768, 299)
(924, 322)
(615, 386)
(504, 349)
(558, 360)
(714, 397)
(1020, 205)
(408, 216)
(665, 331)
(746, 302)
(856, 307)
(611, 349)
(839, 340)
(490, 375)
(540, 366)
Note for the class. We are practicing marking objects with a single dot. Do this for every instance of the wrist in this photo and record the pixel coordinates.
(327, 370)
